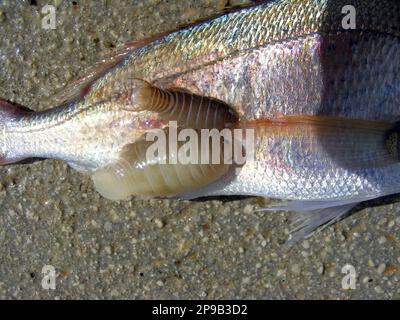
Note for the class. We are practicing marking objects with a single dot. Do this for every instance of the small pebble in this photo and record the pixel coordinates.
(382, 240)
(248, 209)
(160, 283)
(295, 269)
(246, 280)
(321, 269)
(371, 263)
(107, 249)
(132, 214)
(108, 226)
(280, 273)
(114, 216)
(381, 268)
(263, 243)
(382, 221)
(365, 280)
(378, 289)
(159, 223)
(306, 244)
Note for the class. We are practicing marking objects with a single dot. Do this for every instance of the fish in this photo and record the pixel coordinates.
(321, 98)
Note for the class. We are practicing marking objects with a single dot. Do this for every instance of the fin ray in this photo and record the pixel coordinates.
(307, 223)
(80, 86)
(108, 60)
(313, 216)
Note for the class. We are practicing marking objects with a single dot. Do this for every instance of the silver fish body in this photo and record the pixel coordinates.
(358, 79)
(279, 58)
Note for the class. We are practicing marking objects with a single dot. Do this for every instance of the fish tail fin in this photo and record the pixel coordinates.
(9, 112)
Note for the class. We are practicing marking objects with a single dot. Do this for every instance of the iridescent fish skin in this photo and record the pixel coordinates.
(282, 57)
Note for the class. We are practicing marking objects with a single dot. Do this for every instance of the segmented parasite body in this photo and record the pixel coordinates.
(146, 176)
(187, 109)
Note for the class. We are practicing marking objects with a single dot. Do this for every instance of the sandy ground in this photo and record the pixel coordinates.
(50, 215)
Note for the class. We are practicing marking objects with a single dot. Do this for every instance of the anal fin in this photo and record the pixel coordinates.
(78, 167)
(312, 216)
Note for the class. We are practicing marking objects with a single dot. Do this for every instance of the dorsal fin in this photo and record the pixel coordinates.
(110, 59)
(224, 11)
(81, 85)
